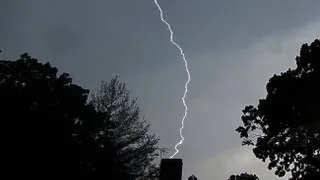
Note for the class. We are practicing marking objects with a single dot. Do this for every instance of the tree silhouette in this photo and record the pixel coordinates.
(243, 176)
(284, 127)
(135, 146)
(51, 131)
(46, 121)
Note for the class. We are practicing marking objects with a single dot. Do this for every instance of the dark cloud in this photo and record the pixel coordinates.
(61, 40)
(232, 48)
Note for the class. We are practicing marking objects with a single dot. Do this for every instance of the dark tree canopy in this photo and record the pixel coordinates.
(243, 176)
(51, 131)
(284, 127)
(135, 146)
(45, 120)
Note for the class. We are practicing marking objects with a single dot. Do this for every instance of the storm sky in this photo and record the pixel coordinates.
(233, 47)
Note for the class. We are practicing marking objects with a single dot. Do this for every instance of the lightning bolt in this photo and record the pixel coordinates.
(186, 84)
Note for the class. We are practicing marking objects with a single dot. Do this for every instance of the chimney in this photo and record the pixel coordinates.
(170, 169)
(193, 177)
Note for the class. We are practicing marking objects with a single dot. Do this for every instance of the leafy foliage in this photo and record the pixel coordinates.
(52, 132)
(284, 127)
(45, 120)
(243, 176)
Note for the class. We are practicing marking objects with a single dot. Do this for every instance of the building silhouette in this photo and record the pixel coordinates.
(192, 177)
(170, 169)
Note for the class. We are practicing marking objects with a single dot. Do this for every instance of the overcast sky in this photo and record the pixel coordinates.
(233, 47)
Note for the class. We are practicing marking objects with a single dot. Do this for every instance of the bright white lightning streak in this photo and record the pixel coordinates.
(186, 84)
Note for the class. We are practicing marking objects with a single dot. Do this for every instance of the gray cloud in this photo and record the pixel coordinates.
(61, 40)
(233, 47)
(241, 85)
